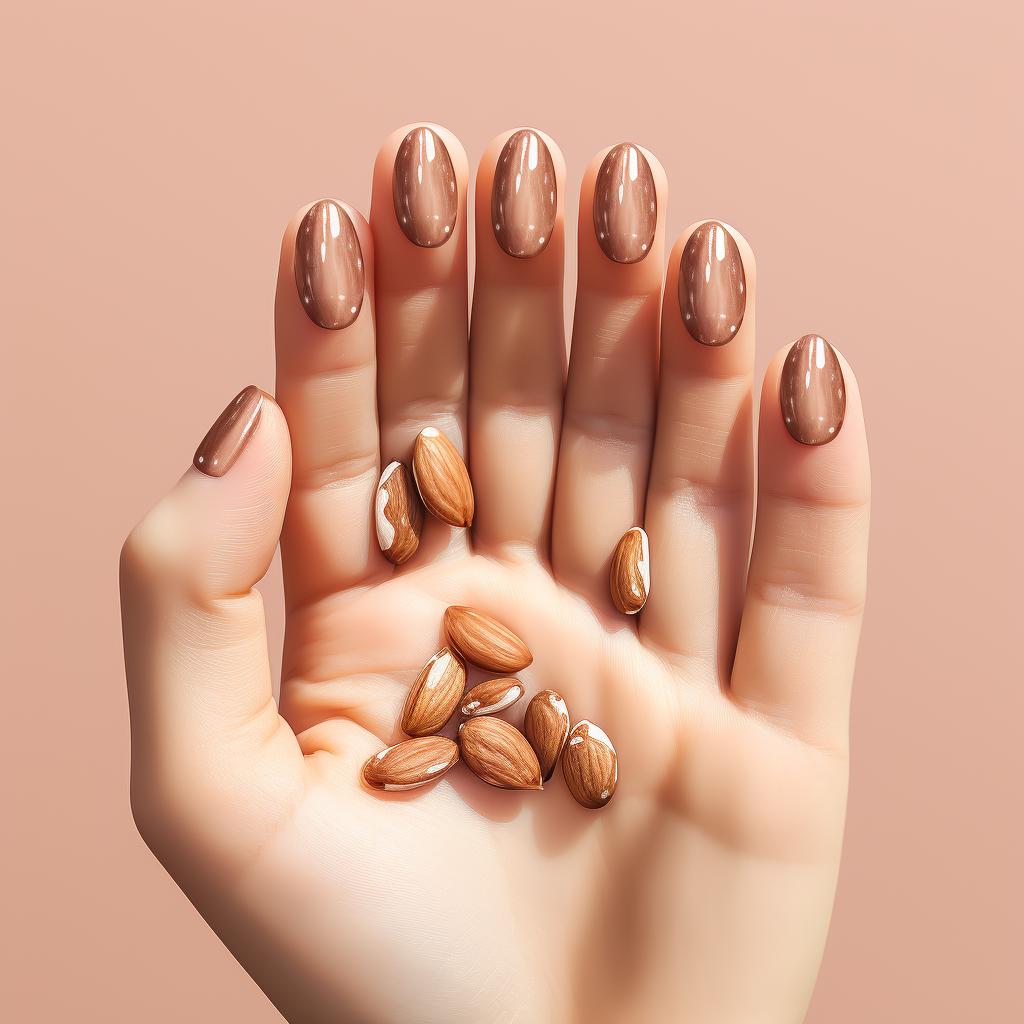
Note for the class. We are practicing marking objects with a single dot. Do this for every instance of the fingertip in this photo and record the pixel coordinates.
(773, 377)
(709, 311)
(621, 224)
(215, 535)
(325, 270)
(418, 207)
(520, 207)
(836, 471)
(227, 524)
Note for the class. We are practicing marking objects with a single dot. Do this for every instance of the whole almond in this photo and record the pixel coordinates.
(485, 641)
(490, 697)
(411, 763)
(435, 695)
(398, 514)
(442, 478)
(590, 765)
(630, 575)
(547, 727)
(499, 754)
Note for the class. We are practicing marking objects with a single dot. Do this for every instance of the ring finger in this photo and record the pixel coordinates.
(610, 400)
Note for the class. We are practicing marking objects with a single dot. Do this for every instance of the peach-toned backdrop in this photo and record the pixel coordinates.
(151, 156)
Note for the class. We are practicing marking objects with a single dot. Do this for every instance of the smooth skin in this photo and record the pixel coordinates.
(702, 892)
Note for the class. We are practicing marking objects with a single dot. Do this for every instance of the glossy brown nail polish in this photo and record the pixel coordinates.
(329, 270)
(625, 205)
(812, 391)
(524, 196)
(424, 189)
(227, 438)
(712, 285)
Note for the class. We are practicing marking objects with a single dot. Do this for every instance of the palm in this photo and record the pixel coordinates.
(586, 891)
(702, 892)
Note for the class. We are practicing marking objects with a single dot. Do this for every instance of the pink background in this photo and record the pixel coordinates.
(872, 157)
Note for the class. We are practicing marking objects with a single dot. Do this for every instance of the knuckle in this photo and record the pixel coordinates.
(834, 597)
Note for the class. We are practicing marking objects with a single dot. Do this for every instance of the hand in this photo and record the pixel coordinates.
(702, 892)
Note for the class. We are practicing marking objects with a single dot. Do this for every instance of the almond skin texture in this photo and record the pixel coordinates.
(398, 513)
(499, 754)
(490, 697)
(590, 765)
(442, 478)
(485, 641)
(630, 576)
(411, 764)
(435, 695)
(547, 728)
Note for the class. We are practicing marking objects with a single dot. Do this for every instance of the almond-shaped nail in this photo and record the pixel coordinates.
(227, 438)
(712, 285)
(424, 189)
(812, 391)
(524, 196)
(625, 205)
(329, 273)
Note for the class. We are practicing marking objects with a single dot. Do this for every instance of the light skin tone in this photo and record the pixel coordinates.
(702, 892)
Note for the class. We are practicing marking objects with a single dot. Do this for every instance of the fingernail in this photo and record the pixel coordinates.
(812, 391)
(625, 205)
(424, 189)
(329, 266)
(712, 285)
(524, 196)
(227, 438)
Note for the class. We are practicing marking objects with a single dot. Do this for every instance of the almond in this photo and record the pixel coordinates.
(399, 514)
(590, 765)
(547, 727)
(490, 697)
(411, 763)
(630, 576)
(435, 695)
(485, 641)
(499, 754)
(442, 478)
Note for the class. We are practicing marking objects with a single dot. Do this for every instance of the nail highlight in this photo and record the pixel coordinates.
(329, 273)
(524, 196)
(227, 438)
(424, 189)
(812, 391)
(712, 285)
(625, 205)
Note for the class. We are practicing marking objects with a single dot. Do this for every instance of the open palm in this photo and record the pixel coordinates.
(702, 892)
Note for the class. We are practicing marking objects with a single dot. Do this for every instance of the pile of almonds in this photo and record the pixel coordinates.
(493, 749)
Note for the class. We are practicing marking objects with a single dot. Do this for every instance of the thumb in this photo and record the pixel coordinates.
(203, 717)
